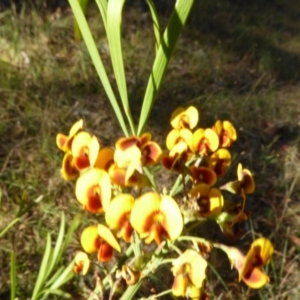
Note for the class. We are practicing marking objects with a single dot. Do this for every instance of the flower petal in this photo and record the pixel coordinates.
(80, 150)
(185, 118)
(93, 190)
(93, 150)
(82, 263)
(90, 240)
(68, 170)
(107, 236)
(172, 221)
(104, 159)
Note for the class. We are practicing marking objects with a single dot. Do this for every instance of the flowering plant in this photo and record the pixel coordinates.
(135, 210)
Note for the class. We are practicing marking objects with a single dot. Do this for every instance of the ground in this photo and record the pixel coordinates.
(234, 61)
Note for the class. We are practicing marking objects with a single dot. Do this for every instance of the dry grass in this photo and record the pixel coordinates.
(235, 62)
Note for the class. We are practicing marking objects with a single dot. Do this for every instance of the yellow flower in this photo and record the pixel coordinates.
(185, 118)
(220, 161)
(130, 275)
(105, 158)
(64, 142)
(156, 216)
(98, 238)
(210, 200)
(226, 133)
(82, 263)
(182, 137)
(249, 266)
(93, 190)
(189, 273)
(80, 150)
(150, 152)
(68, 170)
(244, 185)
(117, 215)
(205, 141)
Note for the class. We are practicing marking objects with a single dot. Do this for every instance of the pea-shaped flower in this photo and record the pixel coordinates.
(249, 266)
(156, 217)
(189, 274)
(117, 215)
(98, 238)
(205, 141)
(226, 133)
(210, 200)
(82, 263)
(93, 190)
(219, 161)
(185, 118)
(64, 142)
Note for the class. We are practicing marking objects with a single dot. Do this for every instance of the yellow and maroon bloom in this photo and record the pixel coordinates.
(117, 215)
(205, 141)
(156, 216)
(82, 263)
(93, 190)
(182, 137)
(105, 159)
(130, 275)
(189, 274)
(80, 150)
(125, 178)
(68, 170)
(98, 238)
(185, 118)
(150, 151)
(64, 142)
(210, 200)
(220, 161)
(243, 185)
(203, 174)
(249, 266)
(226, 133)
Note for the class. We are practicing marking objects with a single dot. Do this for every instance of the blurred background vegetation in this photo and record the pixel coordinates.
(236, 60)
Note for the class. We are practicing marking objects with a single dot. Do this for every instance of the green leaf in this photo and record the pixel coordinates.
(13, 276)
(55, 254)
(73, 226)
(12, 223)
(171, 34)
(156, 27)
(43, 269)
(77, 33)
(114, 24)
(65, 276)
(97, 61)
(102, 5)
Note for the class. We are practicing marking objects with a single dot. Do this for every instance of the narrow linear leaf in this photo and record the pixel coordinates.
(156, 27)
(65, 276)
(57, 248)
(102, 5)
(97, 61)
(54, 276)
(43, 269)
(77, 32)
(73, 226)
(12, 223)
(114, 24)
(56, 292)
(170, 37)
(13, 276)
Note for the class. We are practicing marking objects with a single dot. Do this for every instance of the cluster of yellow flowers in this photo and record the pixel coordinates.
(113, 182)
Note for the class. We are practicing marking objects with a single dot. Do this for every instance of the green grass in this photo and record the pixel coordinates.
(231, 62)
